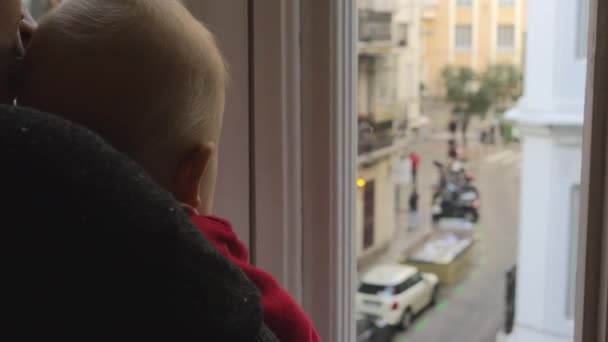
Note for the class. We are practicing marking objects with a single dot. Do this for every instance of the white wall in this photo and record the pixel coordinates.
(551, 117)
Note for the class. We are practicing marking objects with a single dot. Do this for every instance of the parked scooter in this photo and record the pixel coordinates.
(455, 196)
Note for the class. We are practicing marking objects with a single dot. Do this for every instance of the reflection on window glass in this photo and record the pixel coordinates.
(582, 26)
(460, 183)
(573, 250)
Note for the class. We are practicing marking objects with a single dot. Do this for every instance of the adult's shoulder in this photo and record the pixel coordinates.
(90, 244)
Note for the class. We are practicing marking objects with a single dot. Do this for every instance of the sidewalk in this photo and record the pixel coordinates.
(401, 242)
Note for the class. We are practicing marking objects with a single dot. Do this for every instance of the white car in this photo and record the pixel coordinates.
(396, 293)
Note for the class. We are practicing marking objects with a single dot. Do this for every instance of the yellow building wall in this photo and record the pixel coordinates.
(485, 17)
(436, 44)
(484, 36)
(384, 216)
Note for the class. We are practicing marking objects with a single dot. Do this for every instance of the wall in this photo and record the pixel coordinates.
(384, 207)
(484, 16)
(228, 20)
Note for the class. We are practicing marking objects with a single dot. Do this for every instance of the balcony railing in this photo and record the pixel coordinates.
(375, 26)
(375, 135)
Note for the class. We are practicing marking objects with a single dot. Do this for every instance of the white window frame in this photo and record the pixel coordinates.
(303, 58)
(591, 314)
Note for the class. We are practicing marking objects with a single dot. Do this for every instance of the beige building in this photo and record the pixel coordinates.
(388, 103)
(474, 33)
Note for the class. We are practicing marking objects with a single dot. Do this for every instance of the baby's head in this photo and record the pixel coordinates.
(145, 75)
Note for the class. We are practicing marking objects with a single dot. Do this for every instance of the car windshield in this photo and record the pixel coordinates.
(378, 290)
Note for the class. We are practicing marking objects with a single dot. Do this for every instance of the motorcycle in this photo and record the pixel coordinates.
(455, 196)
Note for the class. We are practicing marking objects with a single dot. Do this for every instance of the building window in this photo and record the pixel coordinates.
(573, 250)
(506, 37)
(582, 27)
(463, 37)
(506, 3)
(402, 34)
(465, 3)
(369, 195)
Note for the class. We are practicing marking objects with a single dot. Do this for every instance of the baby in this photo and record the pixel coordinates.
(150, 79)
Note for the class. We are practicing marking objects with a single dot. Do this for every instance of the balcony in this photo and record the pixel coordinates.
(374, 136)
(375, 27)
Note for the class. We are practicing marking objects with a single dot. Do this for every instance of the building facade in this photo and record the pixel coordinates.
(388, 79)
(550, 115)
(473, 33)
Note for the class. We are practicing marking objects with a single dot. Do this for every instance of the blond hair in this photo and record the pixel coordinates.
(145, 74)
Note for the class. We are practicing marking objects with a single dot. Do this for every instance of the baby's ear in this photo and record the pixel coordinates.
(190, 173)
(27, 29)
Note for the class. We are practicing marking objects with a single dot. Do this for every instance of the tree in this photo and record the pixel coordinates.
(504, 82)
(495, 89)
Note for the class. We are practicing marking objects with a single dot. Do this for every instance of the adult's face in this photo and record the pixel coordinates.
(15, 23)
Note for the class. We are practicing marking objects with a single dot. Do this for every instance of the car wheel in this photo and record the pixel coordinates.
(406, 319)
(434, 295)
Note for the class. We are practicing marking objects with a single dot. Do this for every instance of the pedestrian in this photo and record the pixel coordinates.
(413, 212)
(452, 127)
(492, 134)
(415, 162)
(452, 152)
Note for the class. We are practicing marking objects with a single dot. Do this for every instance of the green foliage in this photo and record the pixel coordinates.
(475, 94)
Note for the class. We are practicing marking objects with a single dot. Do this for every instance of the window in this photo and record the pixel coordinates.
(505, 37)
(465, 3)
(402, 34)
(377, 289)
(506, 3)
(582, 26)
(528, 183)
(410, 282)
(463, 38)
(369, 198)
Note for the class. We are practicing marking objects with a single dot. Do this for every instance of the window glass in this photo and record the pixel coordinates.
(506, 37)
(582, 28)
(573, 250)
(403, 34)
(376, 289)
(463, 37)
(472, 185)
(506, 3)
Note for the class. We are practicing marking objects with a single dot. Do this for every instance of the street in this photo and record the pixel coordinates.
(473, 310)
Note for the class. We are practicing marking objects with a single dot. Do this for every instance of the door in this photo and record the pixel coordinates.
(369, 197)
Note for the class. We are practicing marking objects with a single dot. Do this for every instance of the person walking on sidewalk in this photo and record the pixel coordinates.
(413, 210)
(415, 161)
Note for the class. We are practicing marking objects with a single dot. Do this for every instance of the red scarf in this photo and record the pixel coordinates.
(281, 312)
